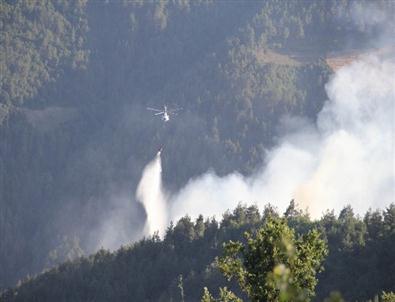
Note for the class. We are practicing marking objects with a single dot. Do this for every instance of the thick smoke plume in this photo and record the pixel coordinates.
(150, 194)
(347, 157)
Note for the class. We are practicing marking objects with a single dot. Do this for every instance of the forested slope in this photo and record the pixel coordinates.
(76, 78)
(359, 264)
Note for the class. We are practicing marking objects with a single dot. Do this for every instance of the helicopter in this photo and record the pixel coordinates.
(165, 113)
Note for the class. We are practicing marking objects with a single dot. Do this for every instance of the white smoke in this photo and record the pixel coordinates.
(346, 158)
(367, 15)
(150, 194)
(118, 225)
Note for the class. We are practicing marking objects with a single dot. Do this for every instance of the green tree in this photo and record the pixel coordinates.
(273, 265)
(388, 297)
(225, 295)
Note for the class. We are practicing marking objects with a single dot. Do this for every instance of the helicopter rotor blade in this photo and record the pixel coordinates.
(153, 109)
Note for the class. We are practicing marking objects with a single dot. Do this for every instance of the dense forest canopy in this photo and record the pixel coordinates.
(76, 77)
(39, 39)
(359, 263)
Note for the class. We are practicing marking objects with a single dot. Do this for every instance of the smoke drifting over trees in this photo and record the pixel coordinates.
(346, 157)
(265, 118)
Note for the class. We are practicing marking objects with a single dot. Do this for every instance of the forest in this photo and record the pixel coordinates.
(358, 267)
(75, 135)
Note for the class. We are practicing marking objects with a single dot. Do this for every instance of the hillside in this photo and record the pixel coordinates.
(338, 60)
(359, 264)
(75, 135)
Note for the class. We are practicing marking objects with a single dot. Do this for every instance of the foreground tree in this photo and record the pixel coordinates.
(273, 265)
(388, 297)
